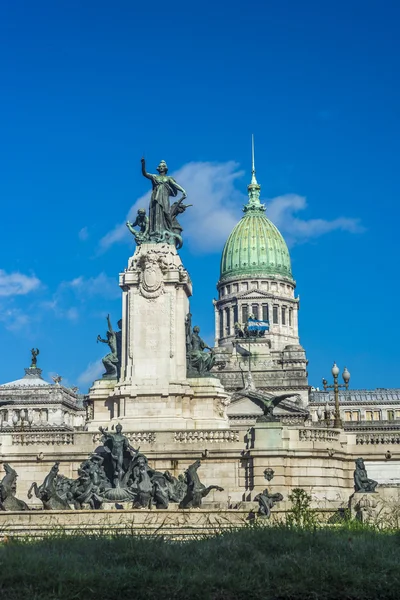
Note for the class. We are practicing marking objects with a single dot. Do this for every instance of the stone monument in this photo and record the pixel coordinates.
(162, 378)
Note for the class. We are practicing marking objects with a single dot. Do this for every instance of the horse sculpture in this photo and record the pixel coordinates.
(8, 489)
(46, 492)
(196, 490)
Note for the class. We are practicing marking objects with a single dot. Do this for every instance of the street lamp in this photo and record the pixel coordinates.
(337, 421)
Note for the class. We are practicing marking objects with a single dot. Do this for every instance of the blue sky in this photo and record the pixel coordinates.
(87, 87)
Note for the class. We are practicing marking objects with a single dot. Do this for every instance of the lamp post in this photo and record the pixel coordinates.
(337, 421)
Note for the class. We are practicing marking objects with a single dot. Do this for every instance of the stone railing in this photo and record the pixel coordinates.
(51, 438)
(377, 438)
(318, 435)
(292, 419)
(206, 435)
(135, 437)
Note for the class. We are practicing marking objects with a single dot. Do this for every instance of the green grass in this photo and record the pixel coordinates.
(253, 563)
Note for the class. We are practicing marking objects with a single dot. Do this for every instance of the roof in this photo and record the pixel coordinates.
(32, 378)
(255, 247)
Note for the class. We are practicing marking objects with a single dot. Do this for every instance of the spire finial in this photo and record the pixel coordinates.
(253, 167)
(254, 188)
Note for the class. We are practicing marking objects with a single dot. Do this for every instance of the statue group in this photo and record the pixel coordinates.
(115, 473)
(162, 224)
(199, 362)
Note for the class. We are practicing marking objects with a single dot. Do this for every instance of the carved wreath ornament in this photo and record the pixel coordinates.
(153, 266)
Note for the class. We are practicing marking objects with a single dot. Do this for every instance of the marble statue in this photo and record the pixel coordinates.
(163, 226)
(361, 481)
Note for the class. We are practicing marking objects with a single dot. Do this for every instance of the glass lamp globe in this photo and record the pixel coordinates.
(346, 375)
(335, 370)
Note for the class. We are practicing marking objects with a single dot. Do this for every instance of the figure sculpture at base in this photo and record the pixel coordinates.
(117, 443)
(118, 473)
(111, 361)
(199, 362)
(361, 481)
(266, 501)
(196, 490)
(47, 492)
(141, 221)
(8, 489)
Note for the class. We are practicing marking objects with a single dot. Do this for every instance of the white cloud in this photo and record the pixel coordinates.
(101, 285)
(91, 373)
(207, 224)
(281, 211)
(77, 291)
(13, 318)
(17, 284)
(83, 234)
(217, 208)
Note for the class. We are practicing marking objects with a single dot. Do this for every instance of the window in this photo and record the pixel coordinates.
(245, 287)
(397, 414)
(355, 415)
(227, 321)
(221, 324)
(347, 415)
(254, 310)
(245, 313)
(235, 287)
(368, 415)
(235, 314)
(264, 285)
(275, 314)
(377, 415)
(254, 284)
(290, 316)
(283, 315)
(265, 312)
(390, 415)
(228, 289)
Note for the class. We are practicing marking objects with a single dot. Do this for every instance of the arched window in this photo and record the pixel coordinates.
(245, 313)
(265, 312)
(227, 321)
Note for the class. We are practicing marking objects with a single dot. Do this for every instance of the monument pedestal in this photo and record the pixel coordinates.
(153, 392)
(196, 404)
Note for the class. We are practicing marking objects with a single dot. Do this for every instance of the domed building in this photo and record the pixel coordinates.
(256, 282)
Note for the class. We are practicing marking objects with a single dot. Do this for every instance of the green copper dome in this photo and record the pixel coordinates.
(255, 247)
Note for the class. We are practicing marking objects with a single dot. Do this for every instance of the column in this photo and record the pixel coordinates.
(216, 313)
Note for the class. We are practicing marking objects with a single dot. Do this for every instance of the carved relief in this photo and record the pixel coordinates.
(153, 265)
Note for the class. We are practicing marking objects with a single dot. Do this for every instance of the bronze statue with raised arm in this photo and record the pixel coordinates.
(163, 226)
